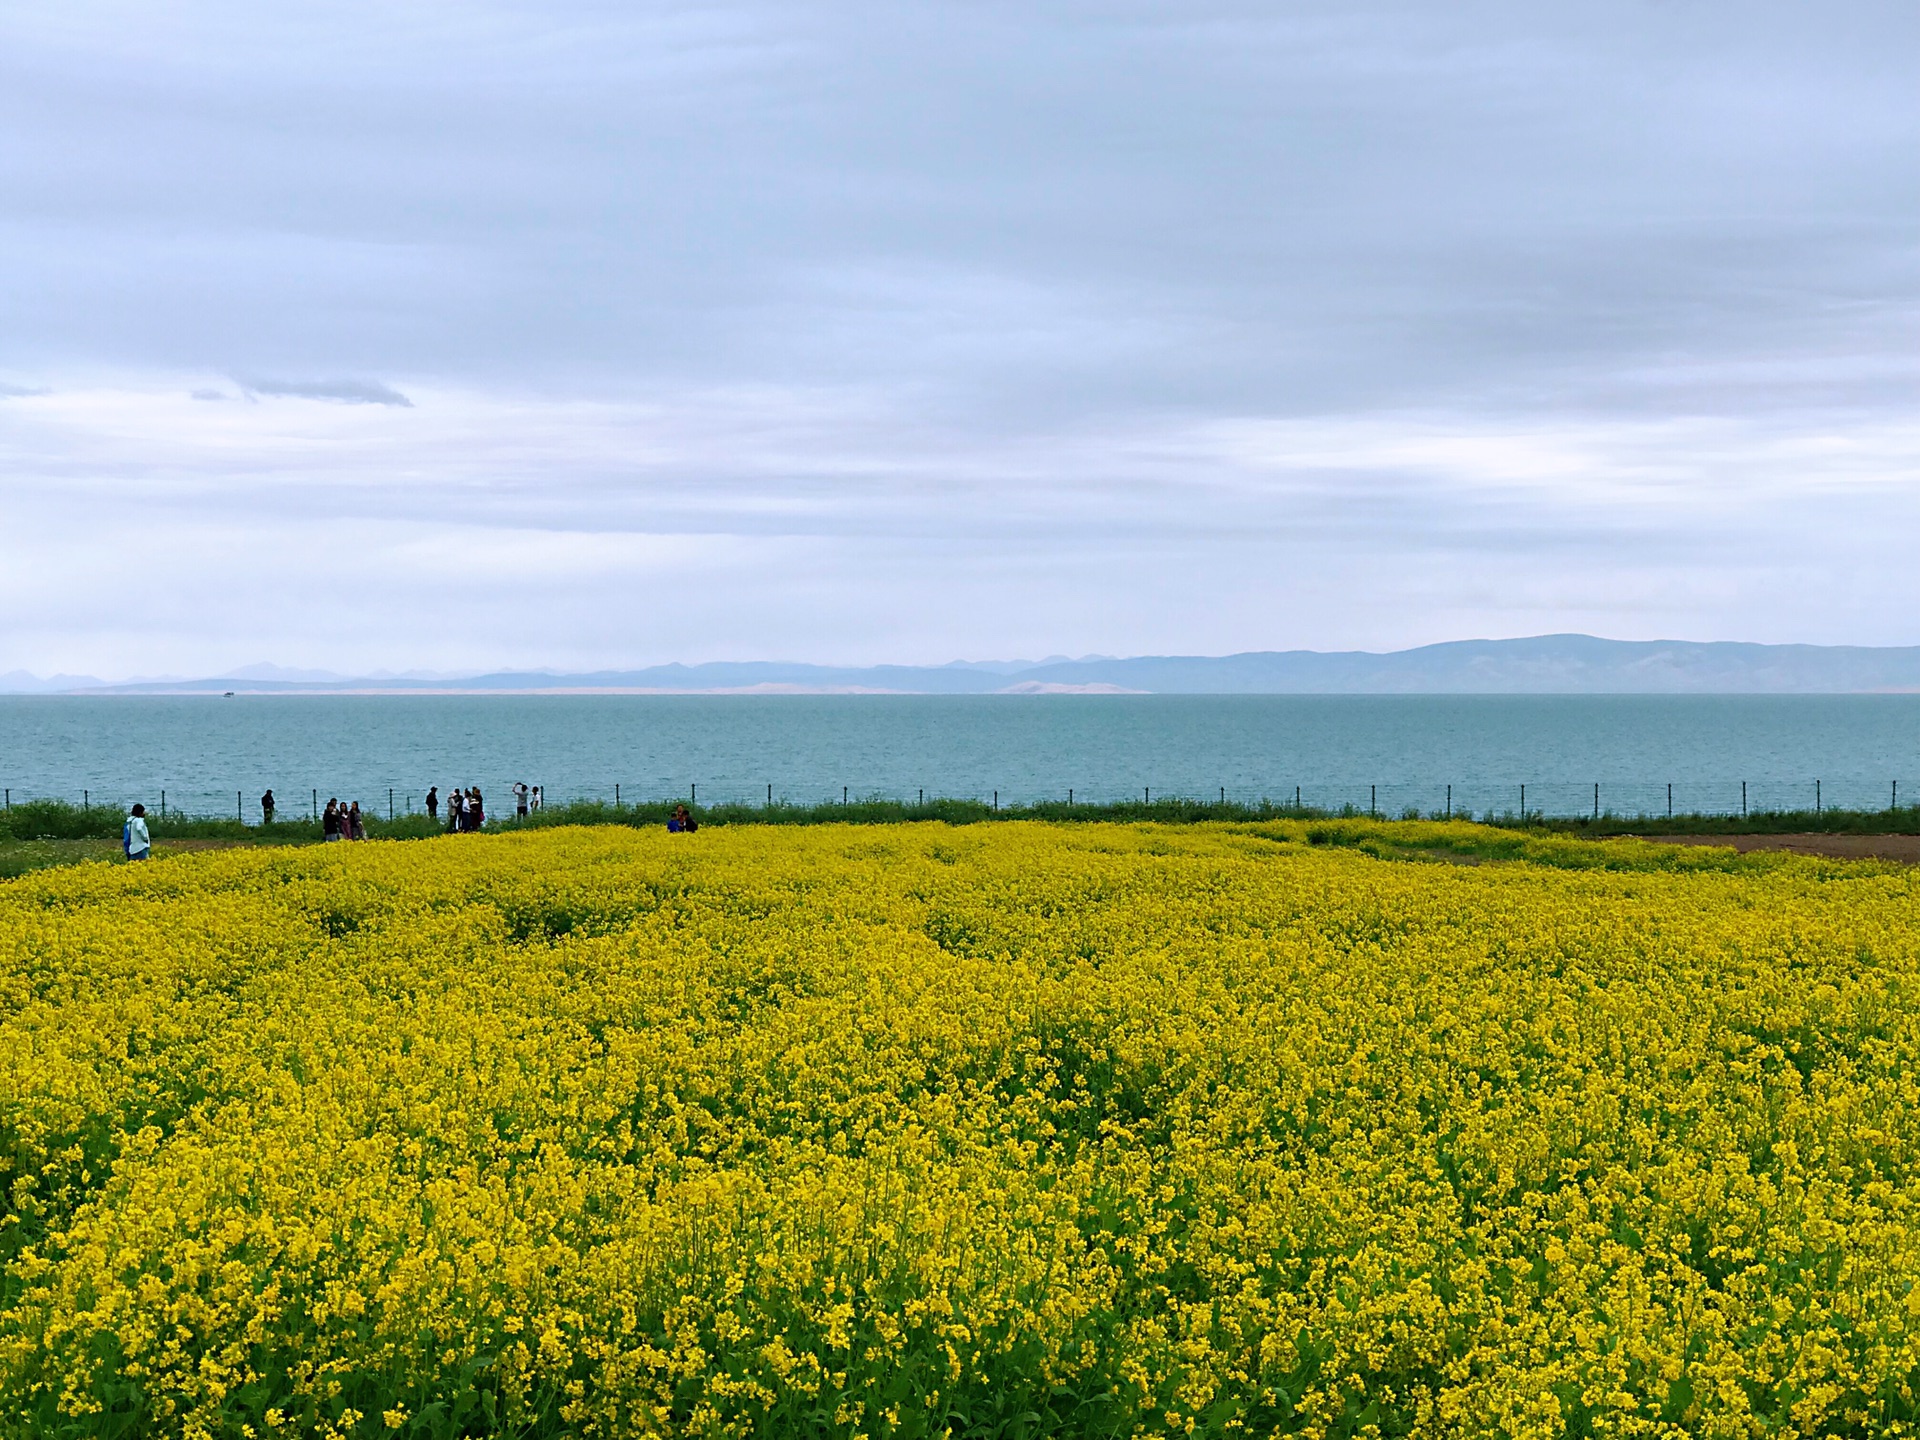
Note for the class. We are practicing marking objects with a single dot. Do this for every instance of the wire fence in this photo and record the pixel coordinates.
(1393, 799)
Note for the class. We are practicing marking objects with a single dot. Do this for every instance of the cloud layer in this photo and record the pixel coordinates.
(854, 332)
(345, 392)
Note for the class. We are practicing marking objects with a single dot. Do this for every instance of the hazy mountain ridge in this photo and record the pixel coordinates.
(20, 682)
(1545, 664)
(1542, 664)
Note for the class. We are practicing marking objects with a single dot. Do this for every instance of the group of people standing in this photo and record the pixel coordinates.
(466, 813)
(342, 822)
(467, 809)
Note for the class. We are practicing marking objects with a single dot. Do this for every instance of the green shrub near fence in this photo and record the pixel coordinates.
(35, 820)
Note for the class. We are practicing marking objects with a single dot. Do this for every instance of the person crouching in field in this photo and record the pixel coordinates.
(330, 822)
(134, 839)
(680, 822)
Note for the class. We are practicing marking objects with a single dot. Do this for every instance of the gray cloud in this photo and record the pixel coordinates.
(344, 392)
(1066, 292)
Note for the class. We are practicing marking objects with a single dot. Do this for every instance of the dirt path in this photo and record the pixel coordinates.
(1904, 848)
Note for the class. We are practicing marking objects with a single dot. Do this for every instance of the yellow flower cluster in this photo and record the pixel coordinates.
(1012, 1129)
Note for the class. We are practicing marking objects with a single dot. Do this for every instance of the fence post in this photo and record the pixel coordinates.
(86, 801)
(769, 794)
(163, 804)
(389, 804)
(1893, 800)
(1523, 804)
(163, 795)
(923, 795)
(693, 793)
(236, 808)
(1296, 797)
(1816, 797)
(1596, 800)
(1069, 797)
(1449, 802)
(1149, 794)
(1223, 795)
(616, 794)
(843, 795)
(996, 802)
(1373, 794)
(1743, 799)
(1669, 799)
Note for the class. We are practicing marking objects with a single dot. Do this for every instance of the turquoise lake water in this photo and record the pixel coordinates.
(1392, 751)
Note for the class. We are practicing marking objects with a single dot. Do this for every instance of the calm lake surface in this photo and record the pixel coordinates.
(1393, 751)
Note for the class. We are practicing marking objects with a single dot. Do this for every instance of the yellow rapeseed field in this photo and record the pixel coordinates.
(1009, 1129)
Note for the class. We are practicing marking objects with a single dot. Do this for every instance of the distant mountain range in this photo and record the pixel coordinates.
(1540, 665)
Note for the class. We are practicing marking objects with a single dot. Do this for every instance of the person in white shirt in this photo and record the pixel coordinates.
(520, 794)
(133, 836)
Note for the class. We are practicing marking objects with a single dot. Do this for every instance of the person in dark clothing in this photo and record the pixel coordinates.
(433, 802)
(330, 822)
(266, 808)
(681, 822)
(355, 826)
(476, 808)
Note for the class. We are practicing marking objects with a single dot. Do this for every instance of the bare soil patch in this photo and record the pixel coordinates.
(1903, 848)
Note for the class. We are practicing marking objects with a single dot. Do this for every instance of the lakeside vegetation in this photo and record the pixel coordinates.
(40, 833)
(61, 820)
(37, 834)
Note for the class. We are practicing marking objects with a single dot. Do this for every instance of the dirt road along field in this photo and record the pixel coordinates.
(1904, 848)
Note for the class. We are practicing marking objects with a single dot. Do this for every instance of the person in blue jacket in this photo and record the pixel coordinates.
(133, 835)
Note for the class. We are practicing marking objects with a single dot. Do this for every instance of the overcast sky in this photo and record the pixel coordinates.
(456, 335)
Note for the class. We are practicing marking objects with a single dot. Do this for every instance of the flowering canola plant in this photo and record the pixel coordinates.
(1008, 1129)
